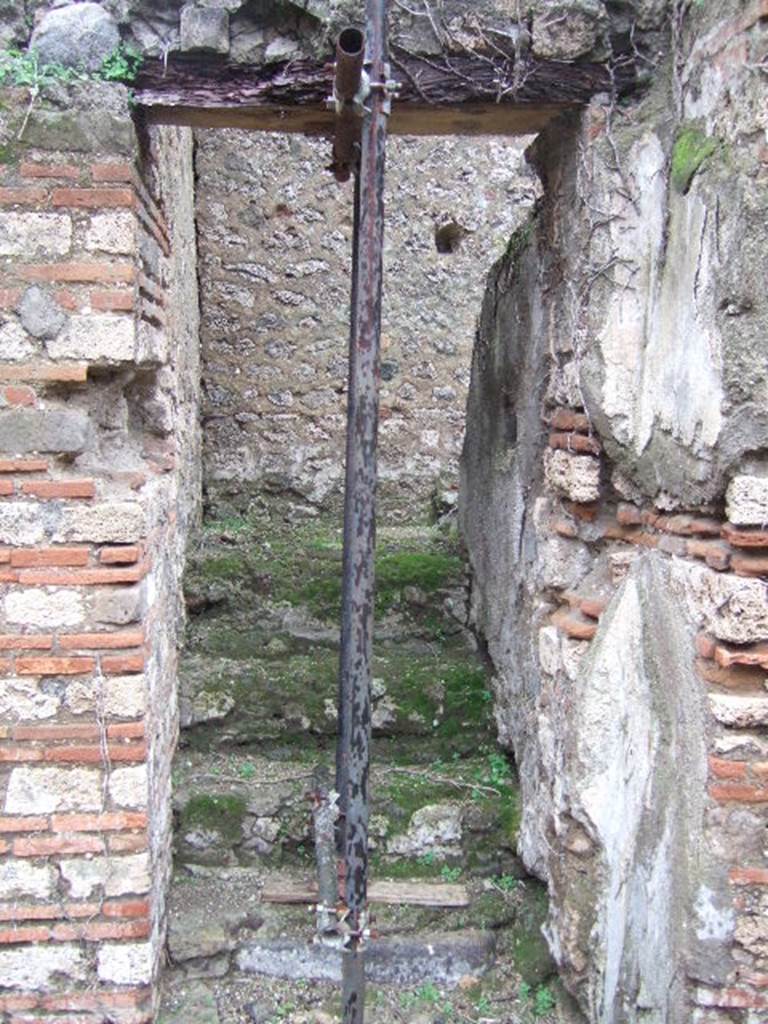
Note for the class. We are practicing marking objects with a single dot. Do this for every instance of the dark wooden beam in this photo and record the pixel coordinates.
(445, 95)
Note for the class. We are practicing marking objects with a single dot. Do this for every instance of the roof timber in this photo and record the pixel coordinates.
(444, 95)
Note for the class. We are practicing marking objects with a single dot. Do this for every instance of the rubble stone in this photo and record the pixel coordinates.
(747, 500)
(40, 314)
(80, 35)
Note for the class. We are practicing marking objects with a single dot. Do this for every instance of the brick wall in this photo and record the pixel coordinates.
(98, 449)
(721, 562)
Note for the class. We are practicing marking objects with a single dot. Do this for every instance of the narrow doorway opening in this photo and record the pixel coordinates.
(259, 668)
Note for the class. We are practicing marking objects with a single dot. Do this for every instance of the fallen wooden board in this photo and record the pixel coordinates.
(421, 894)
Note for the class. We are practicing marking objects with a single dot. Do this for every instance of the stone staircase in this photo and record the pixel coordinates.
(456, 921)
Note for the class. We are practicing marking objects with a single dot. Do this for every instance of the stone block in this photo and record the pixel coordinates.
(128, 786)
(562, 563)
(204, 28)
(45, 790)
(21, 524)
(151, 344)
(739, 712)
(123, 696)
(118, 605)
(127, 963)
(112, 232)
(568, 29)
(115, 522)
(35, 235)
(14, 342)
(575, 476)
(550, 657)
(38, 430)
(44, 608)
(435, 828)
(731, 608)
(119, 876)
(23, 880)
(97, 337)
(80, 35)
(40, 314)
(36, 968)
(747, 500)
(22, 700)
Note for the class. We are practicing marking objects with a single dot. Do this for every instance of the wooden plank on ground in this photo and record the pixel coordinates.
(421, 894)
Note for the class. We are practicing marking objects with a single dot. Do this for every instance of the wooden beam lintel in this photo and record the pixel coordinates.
(467, 119)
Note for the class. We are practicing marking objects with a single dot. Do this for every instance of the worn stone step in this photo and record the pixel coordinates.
(441, 957)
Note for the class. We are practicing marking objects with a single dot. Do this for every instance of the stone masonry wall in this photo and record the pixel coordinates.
(615, 501)
(98, 481)
(275, 250)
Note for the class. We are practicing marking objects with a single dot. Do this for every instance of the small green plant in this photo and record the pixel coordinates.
(426, 994)
(122, 65)
(427, 859)
(543, 1001)
(482, 1003)
(497, 773)
(450, 874)
(24, 68)
(247, 770)
(540, 1001)
(507, 883)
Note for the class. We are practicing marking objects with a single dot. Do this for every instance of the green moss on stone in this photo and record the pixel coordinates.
(217, 813)
(692, 147)
(520, 239)
(222, 567)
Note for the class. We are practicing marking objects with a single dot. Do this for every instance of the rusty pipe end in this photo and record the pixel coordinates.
(350, 54)
(351, 42)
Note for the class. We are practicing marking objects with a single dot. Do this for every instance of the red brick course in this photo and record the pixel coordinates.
(19, 396)
(575, 443)
(15, 642)
(81, 577)
(101, 641)
(33, 169)
(23, 196)
(55, 666)
(124, 555)
(112, 301)
(64, 556)
(93, 198)
(75, 373)
(113, 821)
(112, 172)
(59, 488)
(81, 271)
(739, 794)
(749, 876)
(122, 664)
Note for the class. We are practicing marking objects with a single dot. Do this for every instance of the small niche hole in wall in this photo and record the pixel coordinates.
(449, 236)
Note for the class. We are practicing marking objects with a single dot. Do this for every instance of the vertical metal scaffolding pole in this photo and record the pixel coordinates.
(360, 515)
